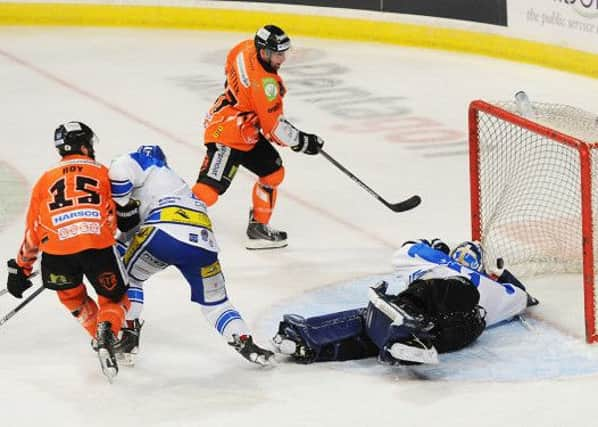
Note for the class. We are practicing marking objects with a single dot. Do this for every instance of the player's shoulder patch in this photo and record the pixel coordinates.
(271, 89)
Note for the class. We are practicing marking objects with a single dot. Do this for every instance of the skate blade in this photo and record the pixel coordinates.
(264, 362)
(109, 367)
(524, 322)
(259, 244)
(126, 359)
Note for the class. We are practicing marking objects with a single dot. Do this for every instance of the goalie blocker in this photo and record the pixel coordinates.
(429, 317)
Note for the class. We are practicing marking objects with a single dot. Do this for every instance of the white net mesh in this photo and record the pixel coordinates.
(530, 189)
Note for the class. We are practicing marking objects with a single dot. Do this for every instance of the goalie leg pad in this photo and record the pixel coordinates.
(332, 337)
(400, 331)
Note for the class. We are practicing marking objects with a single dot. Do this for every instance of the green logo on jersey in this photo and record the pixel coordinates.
(270, 88)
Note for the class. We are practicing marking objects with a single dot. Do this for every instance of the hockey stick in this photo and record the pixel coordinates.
(18, 308)
(401, 206)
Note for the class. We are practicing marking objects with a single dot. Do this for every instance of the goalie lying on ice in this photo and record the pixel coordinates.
(449, 301)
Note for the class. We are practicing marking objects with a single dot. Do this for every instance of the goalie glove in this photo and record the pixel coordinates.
(416, 242)
(17, 282)
(127, 216)
(437, 244)
(309, 143)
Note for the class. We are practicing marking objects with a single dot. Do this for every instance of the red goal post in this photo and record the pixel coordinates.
(534, 191)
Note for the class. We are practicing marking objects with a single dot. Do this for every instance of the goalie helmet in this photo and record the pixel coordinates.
(272, 38)
(70, 137)
(469, 254)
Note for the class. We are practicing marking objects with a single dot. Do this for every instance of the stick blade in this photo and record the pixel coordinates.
(405, 205)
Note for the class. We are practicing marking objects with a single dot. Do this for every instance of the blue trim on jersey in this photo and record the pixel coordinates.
(120, 188)
(225, 318)
(135, 294)
(121, 248)
(425, 252)
(144, 161)
(153, 216)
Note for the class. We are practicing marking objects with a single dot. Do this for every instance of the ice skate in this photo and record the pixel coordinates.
(262, 236)
(105, 344)
(127, 347)
(413, 351)
(249, 350)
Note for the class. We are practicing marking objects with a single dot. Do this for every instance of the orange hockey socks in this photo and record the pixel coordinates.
(113, 312)
(264, 195)
(81, 306)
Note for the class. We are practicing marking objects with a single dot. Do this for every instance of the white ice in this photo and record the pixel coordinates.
(153, 87)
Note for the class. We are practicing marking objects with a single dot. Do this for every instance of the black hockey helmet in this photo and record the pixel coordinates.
(71, 136)
(272, 38)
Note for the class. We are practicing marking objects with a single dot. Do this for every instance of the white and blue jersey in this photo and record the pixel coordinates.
(166, 201)
(175, 230)
(501, 301)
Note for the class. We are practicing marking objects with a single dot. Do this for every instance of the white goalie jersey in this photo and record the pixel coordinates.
(501, 301)
(166, 201)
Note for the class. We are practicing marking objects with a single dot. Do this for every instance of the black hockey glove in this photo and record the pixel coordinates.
(17, 282)
(439, 245)
(309, 143)
(415, 242)
(127, 216)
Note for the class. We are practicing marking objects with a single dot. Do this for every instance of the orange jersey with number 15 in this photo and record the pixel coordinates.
(71, 210)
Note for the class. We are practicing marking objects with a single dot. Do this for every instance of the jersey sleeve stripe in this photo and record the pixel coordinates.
(121, 188)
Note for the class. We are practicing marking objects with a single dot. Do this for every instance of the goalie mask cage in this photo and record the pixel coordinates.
(534, 191)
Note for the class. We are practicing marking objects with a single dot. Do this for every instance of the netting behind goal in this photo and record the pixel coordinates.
(534, 190)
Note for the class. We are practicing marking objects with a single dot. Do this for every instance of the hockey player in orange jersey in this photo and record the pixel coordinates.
(72, 221)
(242, 125)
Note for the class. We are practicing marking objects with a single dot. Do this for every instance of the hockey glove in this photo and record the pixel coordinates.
(415, 242)
(439, 245)
(17, 282)
(309, 143)
(127, 216)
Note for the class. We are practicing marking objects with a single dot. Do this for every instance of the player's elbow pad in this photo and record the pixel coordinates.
(127, 216)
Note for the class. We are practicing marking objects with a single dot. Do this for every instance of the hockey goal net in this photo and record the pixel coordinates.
(534, 191)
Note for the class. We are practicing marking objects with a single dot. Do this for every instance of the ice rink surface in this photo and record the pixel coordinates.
(394, 116)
